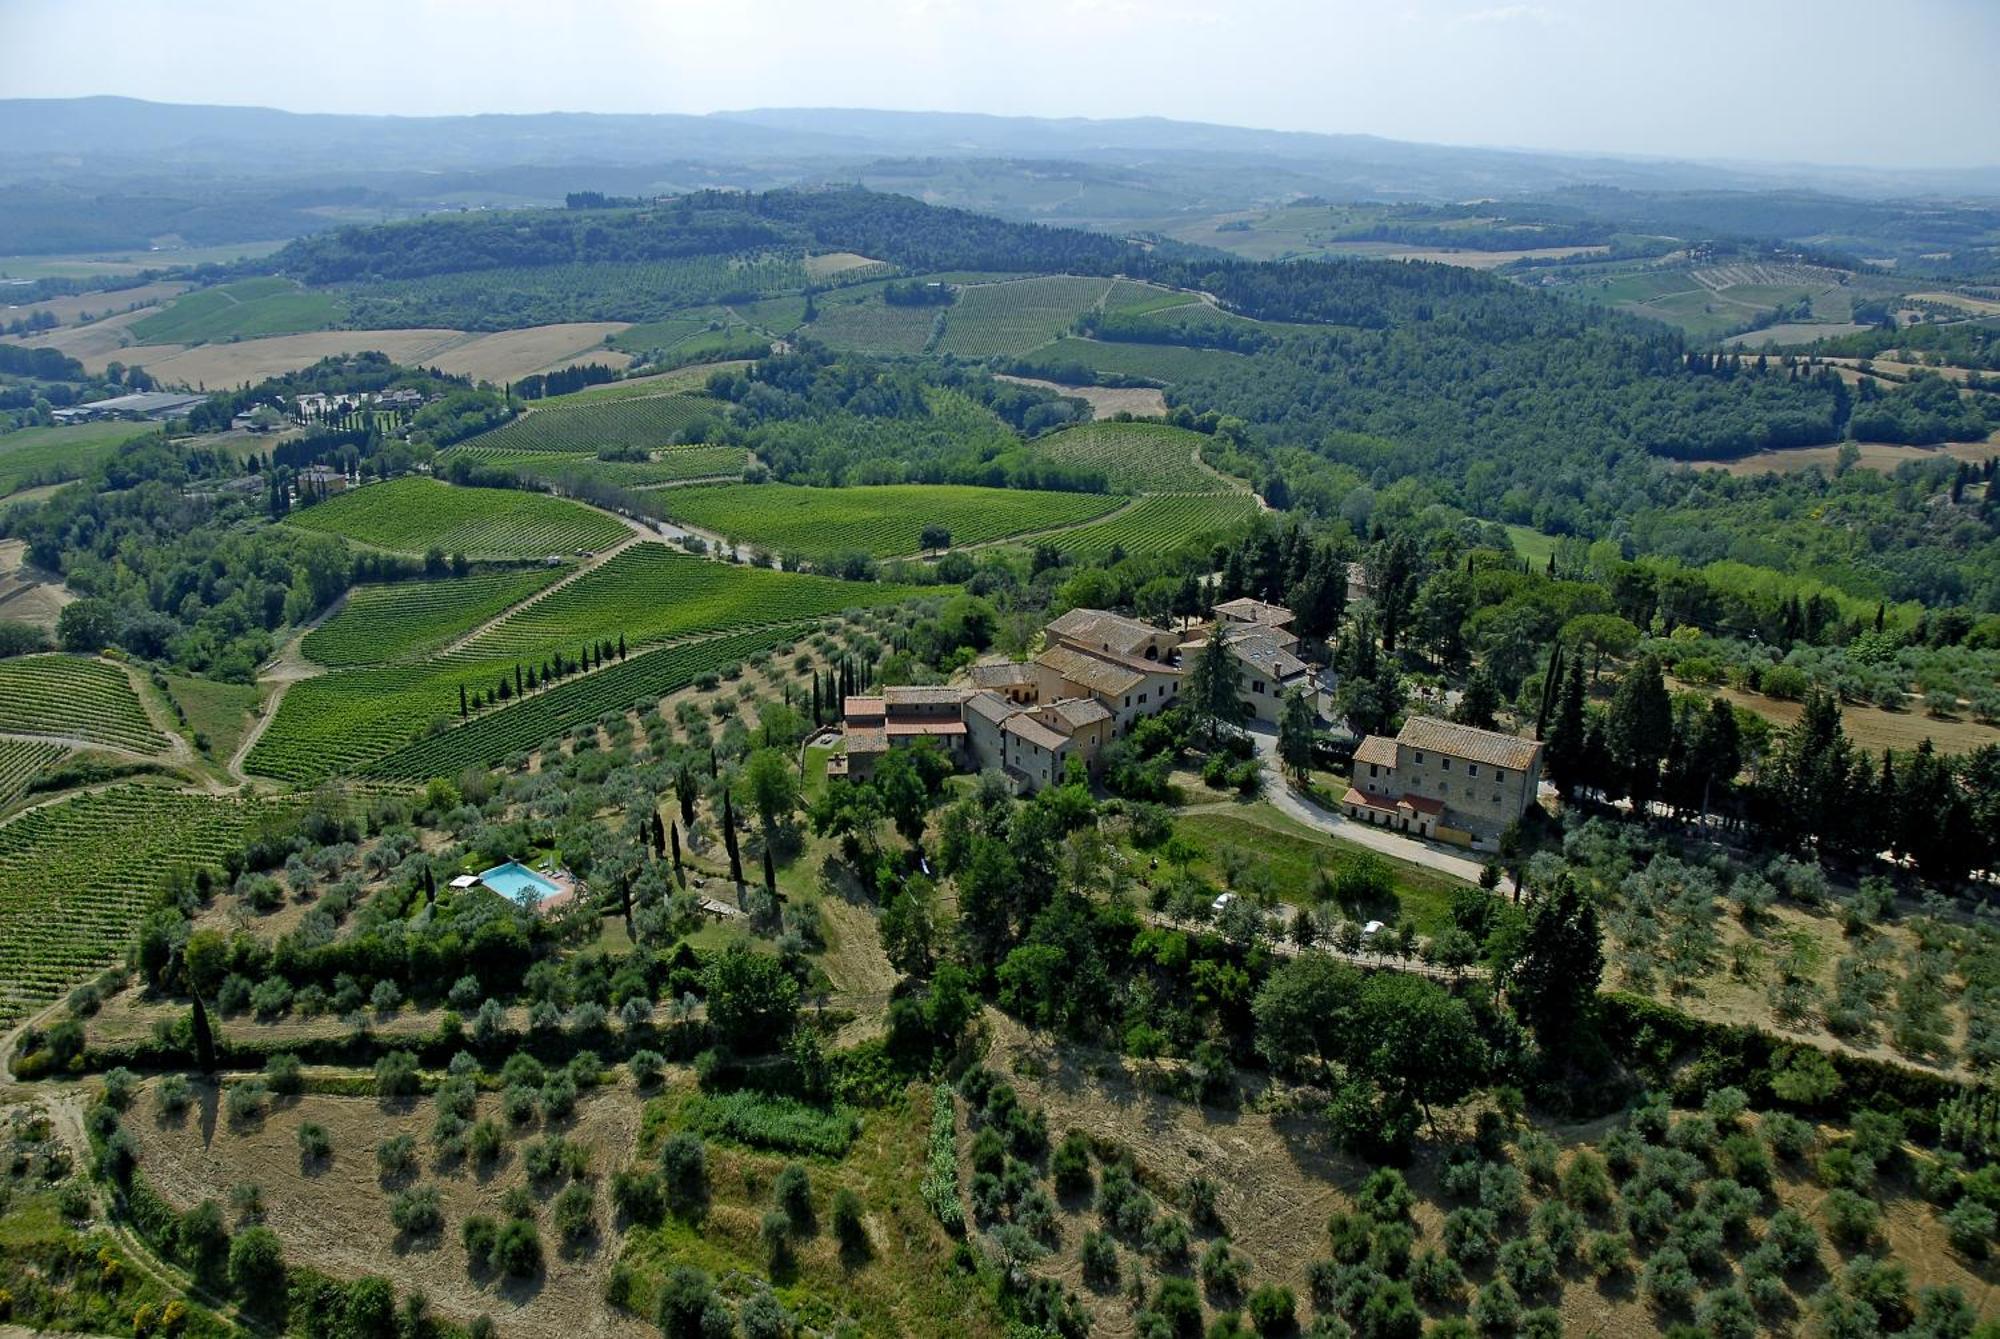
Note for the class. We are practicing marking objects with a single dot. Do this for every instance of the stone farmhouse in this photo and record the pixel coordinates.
(1443, 780)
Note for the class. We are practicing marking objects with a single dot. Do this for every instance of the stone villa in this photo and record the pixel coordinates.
(1438, 779)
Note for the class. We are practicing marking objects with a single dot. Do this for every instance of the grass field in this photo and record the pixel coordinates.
(74, 696)
(412, 515)
(1136, 457)
(31, 456)
(631, 424)
(218, 712)
(93, 265)
(1166, 363)
(1294, 854)
(1158, 524)
(391, 622)
(242, 310)
(881, 521)
(1883, 456)
(76, 877)
(675, 464)
(651, 592)
(679, 380)
(1532, 544)
(993, 319)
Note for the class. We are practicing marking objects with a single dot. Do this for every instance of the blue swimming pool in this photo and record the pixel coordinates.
(517, 883)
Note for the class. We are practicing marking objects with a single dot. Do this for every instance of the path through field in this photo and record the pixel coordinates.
(286, 668)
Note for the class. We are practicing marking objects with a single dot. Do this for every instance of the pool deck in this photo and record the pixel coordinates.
(561, 880)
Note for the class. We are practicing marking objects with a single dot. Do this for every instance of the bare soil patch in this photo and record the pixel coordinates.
(67, 310)
(836, 262)
(28, 594)
(98, 343)
(510, 354)
(1875, 729)
(253, 360)
(1884, 456)
(1106, 401)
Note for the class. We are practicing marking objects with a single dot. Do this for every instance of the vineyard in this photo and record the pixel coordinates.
(881, 521)
(76, 878)
(650, 593)
(1157, 524)
(392, 622)
(640, 423)
(1135, 457)
(675, 464)
(1157, 362)
(1013, 318)
(412, 515)
(494, 737)
(344, 721)
(242, 310)
(873, 326)
(511, 297)
(21, 761)
(75, 696)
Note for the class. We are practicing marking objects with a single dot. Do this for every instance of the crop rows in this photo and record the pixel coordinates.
(1013, 318)
(30, 456)
(651, 593)
(1157, 362)
(76, 877)
(675, 464)
(873, 326)
(21, 760)
(640, 423)
(76, 696)
(882, 521)
(1135, 457)
(492, 738)
(412, 515)
(389, 622)
(1158, 524)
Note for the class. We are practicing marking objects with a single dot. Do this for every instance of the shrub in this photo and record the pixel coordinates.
(1273, 1309)
(575, 1213)
(1468, 1235)
(793, 1193)
(1436, 1278)
(396, 1156)
(417, 1212)
(485, 1141)
(1222, 1268)
(1385, 1196)
(246, 1100)
(315, 1144)
(1608, 1254)
(1851, 1220)
(1537, 1153)
(558, 1096)
(517, 1249)
(284, 1074)
(517, 1103)
(396, 1075)
(121, 1085)
(174, 1094)
(1668, 1279)
(848, 1227)
(1100, 1259)
(1560, 1226)
(1529, 1265)
(478, 1233)
(1496, 1310)
(1390, 1252)
(1726, 1314)
(684, 1163)
(458, 1097)
(1169, 1241)
(1070, 1164)
(645, 1067)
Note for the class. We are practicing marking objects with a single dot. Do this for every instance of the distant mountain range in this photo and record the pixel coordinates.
(121, 136)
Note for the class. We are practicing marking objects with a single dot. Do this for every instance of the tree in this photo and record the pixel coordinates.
(729, 841)
(1479, 707)
(1305, 1011)
(686, 790)
(257, 1267)
(1296, 734)
(772, 789)
(1638, 730)
(87, 626)
(934, 537)
(204, 1038)
(1425, 1046)
(1553, 981)
(909, 781)
(752, 999)
(1210, 690)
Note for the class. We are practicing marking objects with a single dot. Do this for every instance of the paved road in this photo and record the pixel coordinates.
(1402, 846)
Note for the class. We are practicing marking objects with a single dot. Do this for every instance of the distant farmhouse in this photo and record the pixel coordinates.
(1439, 779)
(156, 406)
(1098, 675)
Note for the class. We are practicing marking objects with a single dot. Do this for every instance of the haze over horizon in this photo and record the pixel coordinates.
(1703, 81)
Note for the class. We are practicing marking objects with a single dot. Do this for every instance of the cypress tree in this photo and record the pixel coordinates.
(659, 834)
(770, 873)
(621, 646)
(684, 791)
(729, 841)
(1566, 743)
(204, 1039)
(461, 701)
(1551, 677)
(517, 678)
(674, 835)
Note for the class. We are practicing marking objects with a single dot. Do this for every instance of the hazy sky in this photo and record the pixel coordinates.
(1909, 83)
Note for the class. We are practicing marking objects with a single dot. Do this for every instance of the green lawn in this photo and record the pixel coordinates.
(1294, 854)
(32, 456)
(1532, 544)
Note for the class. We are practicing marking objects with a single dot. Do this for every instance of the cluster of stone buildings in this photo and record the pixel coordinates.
(1100, 673)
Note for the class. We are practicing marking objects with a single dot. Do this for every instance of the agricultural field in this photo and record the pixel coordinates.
(682, 380)
(1137, 457)
(638, 423)
(1014, 317)
(1165, 363)
(21, 761)
(119, 264)
(381, 623)
(870, 325)
(81, 307)
(881, 521)
(242, 310)
(652, 592)
(514, 296)
(507, 354)
(1157, 523)
(674, 464)
(31, 456)
(76, 876)
(413, 515)
(1104, 401)
(75, 697)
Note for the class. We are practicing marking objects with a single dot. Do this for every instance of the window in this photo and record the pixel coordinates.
(1444, 764)
(1142, 699)
(1420, 759)
(1128, 699)
(1373, 770)
(1444, 787)
(1499, 775)
(1496, 797)
(1472, 769)
(1257, 685)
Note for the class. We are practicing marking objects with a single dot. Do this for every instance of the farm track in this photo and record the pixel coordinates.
(286, 668)
(1029, 536)
(588, 566)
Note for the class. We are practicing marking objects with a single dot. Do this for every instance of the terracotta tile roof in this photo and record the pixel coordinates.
(990, 706)
(1094, 672)
(861, 707)
(1102, 630)
(867, 741)
(1464, 741)
(1377, 749)
(1027, 727)
(1261, 653)
(938, 727)
(1247, 610)
(1423, 804)
(925, 694)
(997, 676)
(1078, 712)
(1367, 801)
